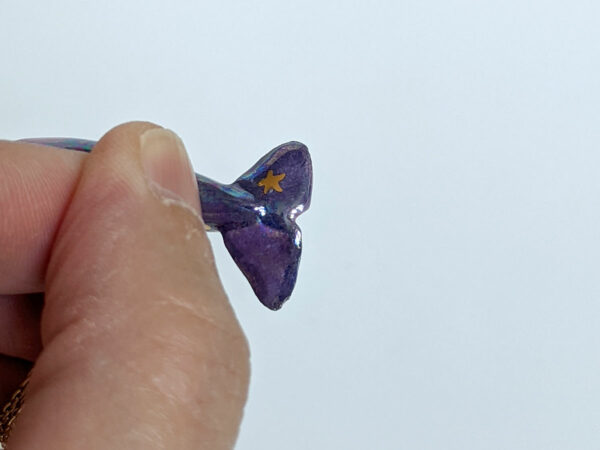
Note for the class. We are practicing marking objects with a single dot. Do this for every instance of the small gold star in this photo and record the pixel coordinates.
(271, 182)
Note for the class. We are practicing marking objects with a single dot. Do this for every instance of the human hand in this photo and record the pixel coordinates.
(137, 345)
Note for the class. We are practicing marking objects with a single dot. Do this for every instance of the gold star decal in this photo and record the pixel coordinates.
(271, 182)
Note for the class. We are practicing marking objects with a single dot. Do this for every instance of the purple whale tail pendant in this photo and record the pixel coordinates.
(256, 214)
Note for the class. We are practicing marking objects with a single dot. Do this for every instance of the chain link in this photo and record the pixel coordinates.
(10, 412)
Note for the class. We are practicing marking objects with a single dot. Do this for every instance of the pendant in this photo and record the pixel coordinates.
(256, 215)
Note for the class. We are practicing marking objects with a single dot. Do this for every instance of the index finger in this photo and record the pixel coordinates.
(36, 184)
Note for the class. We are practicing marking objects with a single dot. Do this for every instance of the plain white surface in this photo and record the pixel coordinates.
(448, 296)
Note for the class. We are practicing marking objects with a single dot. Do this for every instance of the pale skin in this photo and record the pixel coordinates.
(136, 345)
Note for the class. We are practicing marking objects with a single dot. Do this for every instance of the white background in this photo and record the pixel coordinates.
(448, 296)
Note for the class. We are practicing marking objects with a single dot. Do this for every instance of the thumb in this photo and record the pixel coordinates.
(141, 348)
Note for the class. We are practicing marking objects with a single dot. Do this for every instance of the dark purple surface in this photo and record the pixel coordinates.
(267, 248)
(258, 227)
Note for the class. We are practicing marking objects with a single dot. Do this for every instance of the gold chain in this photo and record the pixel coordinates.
(10, 412)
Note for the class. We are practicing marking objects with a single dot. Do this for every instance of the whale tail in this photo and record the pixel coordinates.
(268, 250)
(267, 244)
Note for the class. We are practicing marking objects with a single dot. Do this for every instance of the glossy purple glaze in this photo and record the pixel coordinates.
(256, 215)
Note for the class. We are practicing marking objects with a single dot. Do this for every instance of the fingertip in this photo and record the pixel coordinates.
(36, 185)
(168, 168)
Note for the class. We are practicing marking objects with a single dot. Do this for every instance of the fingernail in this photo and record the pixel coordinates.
(168, 167)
